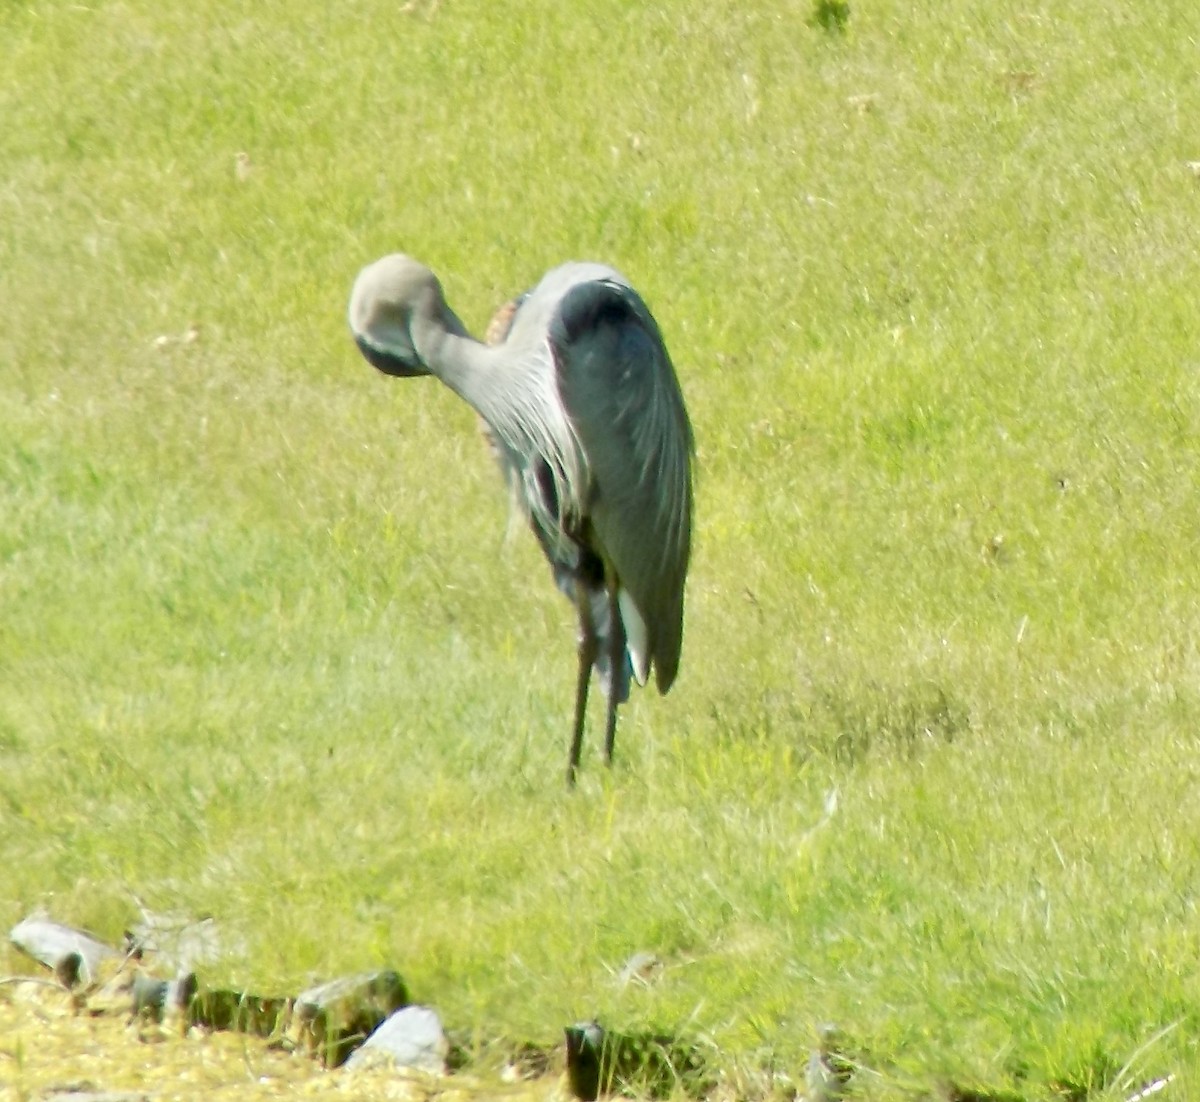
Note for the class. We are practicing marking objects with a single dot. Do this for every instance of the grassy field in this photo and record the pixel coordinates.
(929, 277)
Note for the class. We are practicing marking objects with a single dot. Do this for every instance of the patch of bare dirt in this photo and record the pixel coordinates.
(51, 1051)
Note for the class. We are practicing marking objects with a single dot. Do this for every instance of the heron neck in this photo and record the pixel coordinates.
(451, 353)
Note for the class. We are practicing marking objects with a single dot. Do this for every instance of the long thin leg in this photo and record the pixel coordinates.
(587, 659)
(610, 728)
(616, 655)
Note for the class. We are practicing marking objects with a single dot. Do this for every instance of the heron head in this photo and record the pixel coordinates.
(387, 295)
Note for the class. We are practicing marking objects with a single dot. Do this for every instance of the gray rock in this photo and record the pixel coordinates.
(156, 999)
(335, 1018)
(586, 1052)
(76, 957)
(645, 1065)
(149, 997)
(238, 1011)
(410, 1038)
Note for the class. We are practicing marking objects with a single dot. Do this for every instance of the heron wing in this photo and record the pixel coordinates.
(620, 391)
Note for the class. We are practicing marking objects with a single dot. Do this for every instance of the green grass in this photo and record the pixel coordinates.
(929, 279)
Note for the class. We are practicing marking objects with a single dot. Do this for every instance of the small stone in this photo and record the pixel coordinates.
(154, 999)
(76, 957)
(237, 1011)
(585, 1048)
(333, 1019)
(149, 997)
(411, 1038)
(653, 1065)
(67, 970)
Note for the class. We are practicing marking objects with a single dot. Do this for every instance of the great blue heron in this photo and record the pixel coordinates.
(588, 422)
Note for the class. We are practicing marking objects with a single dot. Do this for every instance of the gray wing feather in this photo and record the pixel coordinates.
(620, 391)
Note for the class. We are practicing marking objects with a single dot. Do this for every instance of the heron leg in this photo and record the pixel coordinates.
(587, 659)
(616, 654)
(610, 729)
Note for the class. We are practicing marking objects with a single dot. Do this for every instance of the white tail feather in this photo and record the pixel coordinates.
(635, 636)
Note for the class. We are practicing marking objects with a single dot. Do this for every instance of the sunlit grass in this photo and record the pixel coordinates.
(265, 652)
